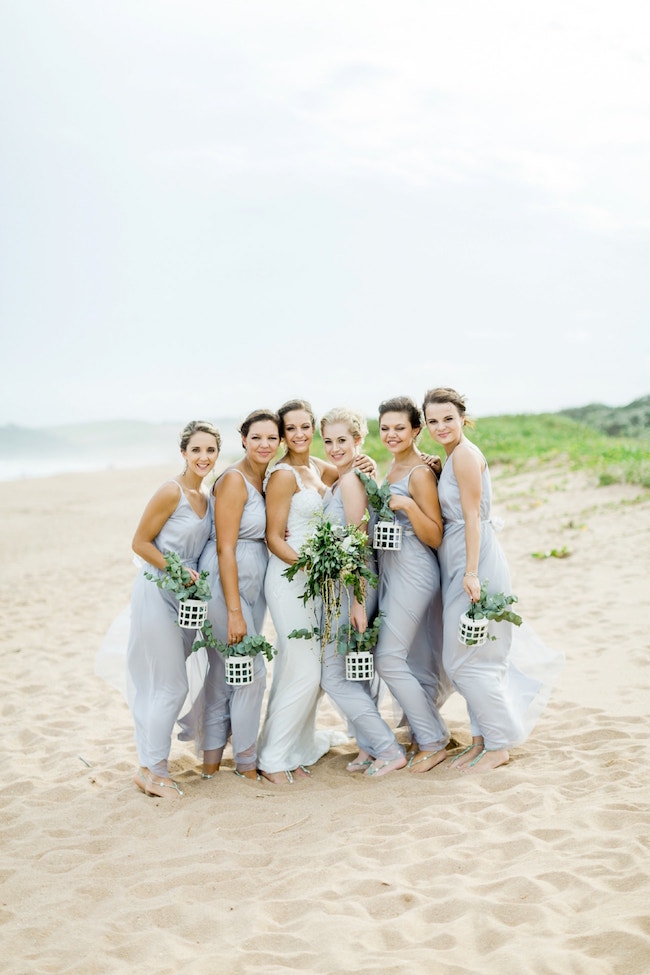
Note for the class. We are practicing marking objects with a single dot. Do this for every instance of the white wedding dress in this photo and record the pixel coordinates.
(288, 737)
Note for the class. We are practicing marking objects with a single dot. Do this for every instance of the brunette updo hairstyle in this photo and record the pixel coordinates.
(290, 406)
(355, 423)
(198, 426)
(445, 394)
(402, 404)
(257, 416)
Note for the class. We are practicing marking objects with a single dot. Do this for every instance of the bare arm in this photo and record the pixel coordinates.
(423, 507)
(467, 469)
(230, 498)
(329, 473)
(354, 498)
(161, 507)
(279, 492)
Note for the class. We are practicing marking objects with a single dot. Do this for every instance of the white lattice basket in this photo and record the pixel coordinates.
(192, 613)
(387, 535)
(239, 670)
(473, 633)
(359, 665)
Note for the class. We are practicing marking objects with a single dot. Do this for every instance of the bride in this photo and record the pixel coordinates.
(294, 499)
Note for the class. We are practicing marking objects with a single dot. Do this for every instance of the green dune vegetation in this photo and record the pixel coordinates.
(524, 441)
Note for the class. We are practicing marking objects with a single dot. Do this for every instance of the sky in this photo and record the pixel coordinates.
(209, 207)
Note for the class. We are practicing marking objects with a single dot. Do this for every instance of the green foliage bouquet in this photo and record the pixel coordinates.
(333, 558)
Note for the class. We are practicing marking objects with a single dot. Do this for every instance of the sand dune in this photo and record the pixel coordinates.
(541, 867)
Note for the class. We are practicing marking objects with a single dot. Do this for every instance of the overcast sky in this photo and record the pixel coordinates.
(211, 206)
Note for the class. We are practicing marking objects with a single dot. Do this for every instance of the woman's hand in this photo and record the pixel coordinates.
(236, 627)
(399, 502)
(472, 586)
(358, 617)
(194, 575)
(366, 465)
(433, 462)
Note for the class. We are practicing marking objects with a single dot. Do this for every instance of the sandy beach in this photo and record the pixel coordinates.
(538, 868)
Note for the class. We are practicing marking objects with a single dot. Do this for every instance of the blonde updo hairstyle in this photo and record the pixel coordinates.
(445, 394)
(198, 426)
(354, 422)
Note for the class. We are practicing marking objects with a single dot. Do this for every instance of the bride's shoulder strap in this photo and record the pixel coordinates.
(283, 467)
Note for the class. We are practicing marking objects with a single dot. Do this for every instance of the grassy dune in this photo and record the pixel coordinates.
(527, 440)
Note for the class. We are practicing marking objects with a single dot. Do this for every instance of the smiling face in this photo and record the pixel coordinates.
(396, 432)
(340, 445)
(298, 430)
(262, 441)
(445, 424)
(201, 453)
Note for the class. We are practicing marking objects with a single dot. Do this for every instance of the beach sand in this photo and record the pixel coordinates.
(540, 867)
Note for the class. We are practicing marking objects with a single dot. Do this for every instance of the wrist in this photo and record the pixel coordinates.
(471, 574)
(234, 612)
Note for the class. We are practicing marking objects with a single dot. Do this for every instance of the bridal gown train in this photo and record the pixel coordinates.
(288, 737)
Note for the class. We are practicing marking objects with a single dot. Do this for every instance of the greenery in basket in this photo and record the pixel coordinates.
(178, 580)
(378, 497)
(250, 646)
(351, 641)
(493, 606)
(333, 558)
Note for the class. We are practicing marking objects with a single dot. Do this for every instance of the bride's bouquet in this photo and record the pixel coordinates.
(334, 560)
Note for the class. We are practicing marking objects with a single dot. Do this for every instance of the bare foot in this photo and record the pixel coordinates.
(155, 785)
(209, 770)
(467, 755)
(412, 750)
(382, 766)
(360, 763)
(250, 773)
(278, 778)
(301, 772)
(425, 761)
(486, 761)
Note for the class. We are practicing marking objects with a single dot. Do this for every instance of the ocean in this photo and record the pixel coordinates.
(27, 452)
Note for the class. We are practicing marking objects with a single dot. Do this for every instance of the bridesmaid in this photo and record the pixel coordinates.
(503, 698)
(236, 556)
(176, 519)
(346, 503)
(408, 652)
